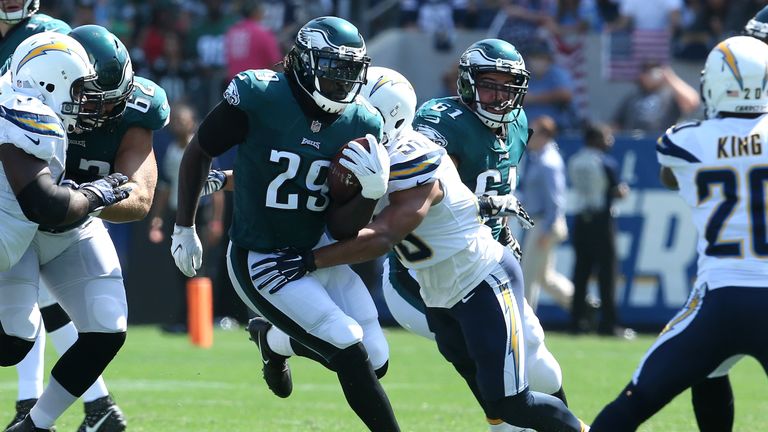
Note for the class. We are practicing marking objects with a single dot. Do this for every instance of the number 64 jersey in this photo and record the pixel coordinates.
(721, 168)
(451, 251)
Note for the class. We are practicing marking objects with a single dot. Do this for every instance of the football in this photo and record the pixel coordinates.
(342, 184)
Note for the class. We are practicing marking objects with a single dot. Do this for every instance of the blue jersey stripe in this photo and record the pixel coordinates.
(415, 167)
(40, 124)
(666, 147)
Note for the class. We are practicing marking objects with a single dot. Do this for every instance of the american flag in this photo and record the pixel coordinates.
(624, 52)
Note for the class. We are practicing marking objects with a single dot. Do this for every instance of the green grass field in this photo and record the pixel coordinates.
(162, 383)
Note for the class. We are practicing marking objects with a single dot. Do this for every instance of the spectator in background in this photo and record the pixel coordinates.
(248, 44)
(173, 72)
(520, 22)
(595, 179)
(542, 191)
(163, 212)
(550, 90)
(435, 18)
(206, 45)
(660, 98)
(650, 24)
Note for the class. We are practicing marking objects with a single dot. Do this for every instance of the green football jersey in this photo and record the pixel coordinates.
(37, 23)
(487, 162)
(91, 155)
(281, 193)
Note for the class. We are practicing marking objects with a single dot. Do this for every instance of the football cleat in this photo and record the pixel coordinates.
(22, 409)
(26, 425)
(275, 367)
(102, 415)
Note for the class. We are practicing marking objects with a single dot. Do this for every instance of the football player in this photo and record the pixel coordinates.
(288, 127)
(44, 96)
(712, 398)
(468, 280)
(719, 167)
(20, 19)
(486, 146)
(79, 263)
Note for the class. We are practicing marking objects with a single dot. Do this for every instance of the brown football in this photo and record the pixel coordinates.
(342, 184)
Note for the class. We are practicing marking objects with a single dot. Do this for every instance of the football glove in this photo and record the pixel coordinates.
(186, 249)
(370, 167)
(105, 191)
(507, 239)
(497, 206)
(287, 266)
(215, 182)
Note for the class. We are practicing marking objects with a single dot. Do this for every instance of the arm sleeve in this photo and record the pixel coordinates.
(223, 128)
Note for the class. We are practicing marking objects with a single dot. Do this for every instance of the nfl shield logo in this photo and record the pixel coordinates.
(315, 127)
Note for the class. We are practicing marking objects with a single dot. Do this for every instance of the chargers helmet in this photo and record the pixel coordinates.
(757, 27)
(106, 97)
(28, 8)
(329, 62)
(735, 77)
(54, 68)
(393, 96)
(493, 55)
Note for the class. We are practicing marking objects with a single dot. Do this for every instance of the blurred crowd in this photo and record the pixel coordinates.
(192, 48)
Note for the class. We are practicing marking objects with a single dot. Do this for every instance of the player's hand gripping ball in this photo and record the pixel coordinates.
(342, 183)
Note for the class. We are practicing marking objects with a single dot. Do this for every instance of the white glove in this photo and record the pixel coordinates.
(497, 206)
(186, 249)
(370, 167)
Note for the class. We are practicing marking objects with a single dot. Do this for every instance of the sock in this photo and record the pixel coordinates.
(560, 394)
(52, 403)
(303, 351)
(713, 404)
(62, 339)
(279, 342)
(30, 370)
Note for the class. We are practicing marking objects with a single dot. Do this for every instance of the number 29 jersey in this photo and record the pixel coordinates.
(451, 250)
(721, 167)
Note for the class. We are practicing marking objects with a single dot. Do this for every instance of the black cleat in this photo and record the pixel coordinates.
(275, 367)
(22, 409)
(102, 415)
(26, 425)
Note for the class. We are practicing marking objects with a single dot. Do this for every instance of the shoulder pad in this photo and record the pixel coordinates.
(147, 106)
(31, 126)
(413, 161)
(249, 84)
(676, 146)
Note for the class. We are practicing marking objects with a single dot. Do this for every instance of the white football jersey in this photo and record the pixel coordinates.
(721, 166)
(451, 251)
(32, 126)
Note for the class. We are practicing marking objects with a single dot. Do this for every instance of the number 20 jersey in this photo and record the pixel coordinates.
(451, 250)
(721, 167)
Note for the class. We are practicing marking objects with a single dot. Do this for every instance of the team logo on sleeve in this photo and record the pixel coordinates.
(231, 94)
(432, 134)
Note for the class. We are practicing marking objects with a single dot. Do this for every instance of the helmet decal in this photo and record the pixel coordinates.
(730, 60)
(37, 51)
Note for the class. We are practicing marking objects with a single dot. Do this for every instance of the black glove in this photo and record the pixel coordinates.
(215, 182)
(287, 266)
(105, 191)
(497, 206)
(507, 239)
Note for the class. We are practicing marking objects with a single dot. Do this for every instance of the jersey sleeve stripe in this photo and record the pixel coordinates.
(665, 146)
(415, 167)
(36, 123)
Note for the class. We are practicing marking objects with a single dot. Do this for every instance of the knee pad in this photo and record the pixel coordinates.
(544, 373)
(54, 317)
(380, 372)
(13, 349)
(339, 330)
(375, 343)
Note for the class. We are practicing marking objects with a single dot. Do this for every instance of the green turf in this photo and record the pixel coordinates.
(164, 384)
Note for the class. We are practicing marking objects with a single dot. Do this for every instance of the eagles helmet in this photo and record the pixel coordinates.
(735, 77)
(106, 97)
(493, 55)
(54, 68)
(393, 96)
(17, 12)
(329, 62)
(757, 27)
